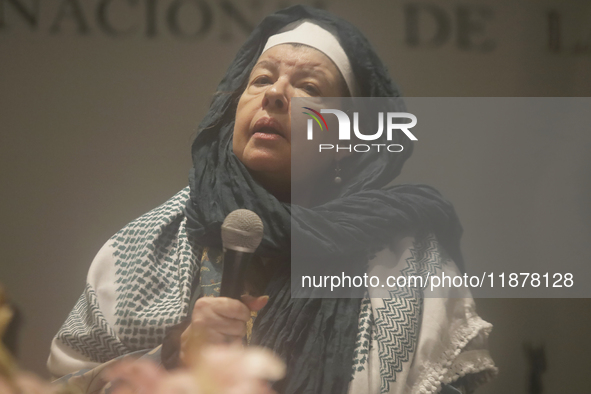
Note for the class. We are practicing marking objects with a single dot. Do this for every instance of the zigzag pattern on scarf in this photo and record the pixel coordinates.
(397, 324)
(429, 257)
(87, 331)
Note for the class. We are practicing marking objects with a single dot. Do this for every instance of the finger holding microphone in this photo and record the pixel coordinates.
(223, 319)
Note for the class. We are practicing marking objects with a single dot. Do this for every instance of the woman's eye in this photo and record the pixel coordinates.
(311, 89)
(262, 80)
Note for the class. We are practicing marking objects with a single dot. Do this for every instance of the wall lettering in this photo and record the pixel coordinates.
(430, 26)
(180, 19)
(577, 43)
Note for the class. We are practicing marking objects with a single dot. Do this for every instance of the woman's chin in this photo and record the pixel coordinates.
(267, 162)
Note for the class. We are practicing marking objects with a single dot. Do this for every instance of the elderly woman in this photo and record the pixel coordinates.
(162, 272)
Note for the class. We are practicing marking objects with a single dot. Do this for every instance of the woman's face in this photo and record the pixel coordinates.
(262, 132)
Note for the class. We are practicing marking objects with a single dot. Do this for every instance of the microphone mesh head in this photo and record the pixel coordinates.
(242, 231)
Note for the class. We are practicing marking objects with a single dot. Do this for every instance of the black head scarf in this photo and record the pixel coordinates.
(315, 337)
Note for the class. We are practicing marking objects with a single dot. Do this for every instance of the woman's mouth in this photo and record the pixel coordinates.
(268, 129)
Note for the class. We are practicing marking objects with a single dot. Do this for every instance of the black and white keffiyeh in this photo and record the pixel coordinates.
(414, 341)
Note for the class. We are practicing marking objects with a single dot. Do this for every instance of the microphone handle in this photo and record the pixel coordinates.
(233, 275)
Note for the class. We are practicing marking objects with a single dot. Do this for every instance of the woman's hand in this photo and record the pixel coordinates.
(220, 320)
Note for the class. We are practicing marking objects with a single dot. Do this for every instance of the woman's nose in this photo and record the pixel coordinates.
(277, 96)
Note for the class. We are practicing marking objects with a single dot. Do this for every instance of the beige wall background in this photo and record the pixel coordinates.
(99, 103)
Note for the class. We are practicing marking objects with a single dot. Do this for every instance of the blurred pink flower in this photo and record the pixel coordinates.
(139, 376)
(217, 369)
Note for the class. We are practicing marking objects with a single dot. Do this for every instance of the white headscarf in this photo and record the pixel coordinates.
(306, 32)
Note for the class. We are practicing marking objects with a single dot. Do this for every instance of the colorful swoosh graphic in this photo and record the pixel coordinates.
(315, 117)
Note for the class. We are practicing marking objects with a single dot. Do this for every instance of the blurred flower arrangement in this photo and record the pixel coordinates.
(209, 369)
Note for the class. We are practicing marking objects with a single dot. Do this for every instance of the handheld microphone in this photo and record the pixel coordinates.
(242, 232)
